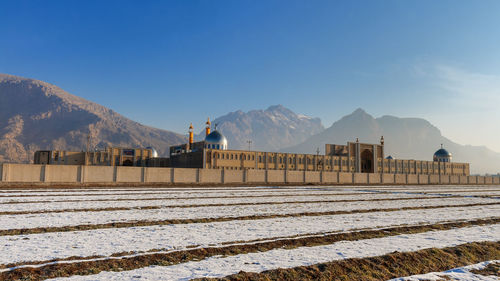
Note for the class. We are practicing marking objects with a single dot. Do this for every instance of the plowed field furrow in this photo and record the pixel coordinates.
(108, 241)
(306, 256)
(48, 229)
(95, 264)
(167, 196)
(159, 204)
(276, 197)
(390, 266)
(108, 217)
(240, 192)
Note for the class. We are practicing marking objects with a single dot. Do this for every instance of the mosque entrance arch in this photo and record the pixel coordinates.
(367, 161)
(128, 162)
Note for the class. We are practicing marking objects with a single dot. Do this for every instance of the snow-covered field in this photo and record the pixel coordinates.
(109, 201)
(232, 221)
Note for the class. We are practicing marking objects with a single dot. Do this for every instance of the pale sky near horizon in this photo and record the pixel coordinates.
(169, 63)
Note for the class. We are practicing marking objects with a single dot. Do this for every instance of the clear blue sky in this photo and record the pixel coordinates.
(169, 63)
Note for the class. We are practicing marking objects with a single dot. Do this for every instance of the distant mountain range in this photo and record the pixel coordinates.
(36, 115)
(405, 138)
(268, 130)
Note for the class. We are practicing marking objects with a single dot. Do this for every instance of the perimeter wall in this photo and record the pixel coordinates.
(30, 173)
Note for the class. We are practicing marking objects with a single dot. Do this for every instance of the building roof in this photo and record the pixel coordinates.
(216, 137)
(442, 153)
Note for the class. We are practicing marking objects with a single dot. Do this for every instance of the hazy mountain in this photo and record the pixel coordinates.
(405, 138)
(269, 129)
(36, 115)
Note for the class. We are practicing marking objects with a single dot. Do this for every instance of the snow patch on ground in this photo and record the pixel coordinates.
(103, 217)
(104, 242)
(303, 256)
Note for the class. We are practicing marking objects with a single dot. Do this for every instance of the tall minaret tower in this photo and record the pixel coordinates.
(207, 129)
(191, 137)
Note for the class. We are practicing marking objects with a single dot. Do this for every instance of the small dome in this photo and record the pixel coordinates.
(154, 153)
(389, 157)
(442, 155)
(216, 140)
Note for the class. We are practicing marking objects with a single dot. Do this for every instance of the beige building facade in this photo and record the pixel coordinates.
(365, 162)
(111, 156)
(354, 157)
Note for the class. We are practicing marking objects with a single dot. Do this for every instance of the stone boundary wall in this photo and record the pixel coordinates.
(30, 173)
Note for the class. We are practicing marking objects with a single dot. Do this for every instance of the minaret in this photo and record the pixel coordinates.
(382, 141)
(207, 129)
(191, 138)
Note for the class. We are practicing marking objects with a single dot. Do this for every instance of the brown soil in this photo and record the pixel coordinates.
(208, 205)
(383, 267)
(129, 263)
(207, 220)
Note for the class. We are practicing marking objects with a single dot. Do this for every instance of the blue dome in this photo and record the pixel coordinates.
(216, 140)
(442, 153)
(389, 157)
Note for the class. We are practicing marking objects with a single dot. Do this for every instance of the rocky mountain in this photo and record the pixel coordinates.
(269, 129)
(36, 115)
(405, 138)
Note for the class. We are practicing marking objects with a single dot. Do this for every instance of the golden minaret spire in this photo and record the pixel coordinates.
(191, 138)
(207, 129)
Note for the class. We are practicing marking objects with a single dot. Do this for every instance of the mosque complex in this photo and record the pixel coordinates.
(355, 157)
(213, 153)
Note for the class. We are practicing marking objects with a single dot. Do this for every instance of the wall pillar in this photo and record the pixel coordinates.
(357, 159)
(266, 162)
(5, 172)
